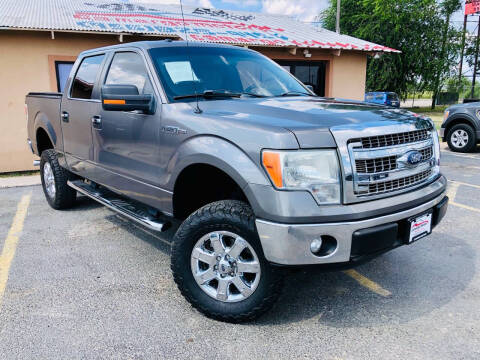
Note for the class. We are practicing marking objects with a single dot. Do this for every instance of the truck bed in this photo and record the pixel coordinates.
(44, 109)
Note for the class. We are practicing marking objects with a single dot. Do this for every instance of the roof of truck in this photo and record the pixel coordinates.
(201, 24)
(151, 44)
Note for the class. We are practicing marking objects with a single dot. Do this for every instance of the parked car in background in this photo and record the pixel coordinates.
(383, 97)
(461, 126)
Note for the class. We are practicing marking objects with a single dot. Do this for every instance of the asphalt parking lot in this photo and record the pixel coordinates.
(85, 283)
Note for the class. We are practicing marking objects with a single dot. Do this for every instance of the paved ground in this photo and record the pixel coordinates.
(19, 181)
(86, 284)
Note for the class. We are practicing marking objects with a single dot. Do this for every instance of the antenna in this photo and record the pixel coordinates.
(197, 109)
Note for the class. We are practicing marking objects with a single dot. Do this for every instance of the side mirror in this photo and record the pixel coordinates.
(310, 87)
(126, 98)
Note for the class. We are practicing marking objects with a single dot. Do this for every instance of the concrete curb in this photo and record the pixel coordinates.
(19, 181)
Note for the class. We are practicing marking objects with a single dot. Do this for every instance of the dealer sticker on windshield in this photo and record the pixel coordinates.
(420, 226)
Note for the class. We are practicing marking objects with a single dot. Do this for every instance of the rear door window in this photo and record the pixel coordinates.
(84, 81)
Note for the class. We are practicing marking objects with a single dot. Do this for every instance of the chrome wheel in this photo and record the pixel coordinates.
(225, 266)
(459, 138)
(49, 180)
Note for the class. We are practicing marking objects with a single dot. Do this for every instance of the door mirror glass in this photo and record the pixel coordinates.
(126, 98)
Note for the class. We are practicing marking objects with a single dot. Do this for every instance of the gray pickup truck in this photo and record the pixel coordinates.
(263, 174)
(461, 127)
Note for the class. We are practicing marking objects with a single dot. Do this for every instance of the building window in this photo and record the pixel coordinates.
(309, 72)
(62, 71)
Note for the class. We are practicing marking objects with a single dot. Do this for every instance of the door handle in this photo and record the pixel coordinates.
(97, 121)
(65, 116)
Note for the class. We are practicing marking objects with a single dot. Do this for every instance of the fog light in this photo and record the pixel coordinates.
(316, 245)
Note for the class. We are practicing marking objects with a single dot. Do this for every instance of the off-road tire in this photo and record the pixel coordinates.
(65, 196)
(470, 146)
(236, 217)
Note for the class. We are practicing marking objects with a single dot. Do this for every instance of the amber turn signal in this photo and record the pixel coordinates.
(114, 102)
(271, 162)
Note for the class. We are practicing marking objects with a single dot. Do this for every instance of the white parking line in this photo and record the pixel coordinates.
(461, 155)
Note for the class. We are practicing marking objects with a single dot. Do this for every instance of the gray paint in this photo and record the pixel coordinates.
(462, 113)
(134, 155)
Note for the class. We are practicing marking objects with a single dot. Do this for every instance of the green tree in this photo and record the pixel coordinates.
(449, 46)
(411, 26)
(452, 85)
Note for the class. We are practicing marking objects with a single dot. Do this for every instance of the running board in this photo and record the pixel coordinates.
(128, 208)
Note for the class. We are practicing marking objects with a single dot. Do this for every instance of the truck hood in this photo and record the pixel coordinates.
(312, 119)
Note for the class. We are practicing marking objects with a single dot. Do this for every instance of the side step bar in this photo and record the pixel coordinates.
(128, 208)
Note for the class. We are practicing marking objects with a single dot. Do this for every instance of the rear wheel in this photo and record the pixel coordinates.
(54, 182)
(219, 266)
(461, 138)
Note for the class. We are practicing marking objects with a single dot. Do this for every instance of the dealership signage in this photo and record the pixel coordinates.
(472, 7)
(195, 23)
(205, 25)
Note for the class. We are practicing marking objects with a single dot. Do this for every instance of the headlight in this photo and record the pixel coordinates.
(436, 145)
(316, 171)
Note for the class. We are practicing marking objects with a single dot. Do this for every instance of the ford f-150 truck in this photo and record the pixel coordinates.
(263, 174)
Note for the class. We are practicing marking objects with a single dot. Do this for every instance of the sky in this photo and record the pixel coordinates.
(304, 10)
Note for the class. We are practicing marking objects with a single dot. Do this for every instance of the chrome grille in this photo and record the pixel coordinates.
(397, 184)
(376, 160)
(387, 163)
(427, 153)
(370, 166)
(392, 139)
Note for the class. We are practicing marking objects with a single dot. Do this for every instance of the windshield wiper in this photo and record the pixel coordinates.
(254, 95)
(209, 94)
(295, 93)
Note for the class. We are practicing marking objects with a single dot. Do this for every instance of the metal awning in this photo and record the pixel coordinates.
(201, 24)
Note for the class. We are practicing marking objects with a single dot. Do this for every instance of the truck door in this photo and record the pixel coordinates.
(79, 104)
(126, 149)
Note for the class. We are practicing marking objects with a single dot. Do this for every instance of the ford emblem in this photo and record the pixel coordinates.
(414, 157)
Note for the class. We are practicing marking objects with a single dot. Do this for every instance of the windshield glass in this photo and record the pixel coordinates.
(392, 96)
(185, 71)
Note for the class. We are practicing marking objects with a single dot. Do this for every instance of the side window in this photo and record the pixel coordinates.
(62, 71)
(128, 68)
(379, 97)
(84, 80)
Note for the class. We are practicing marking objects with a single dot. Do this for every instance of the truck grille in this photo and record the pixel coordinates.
(387, 163)
(397, 184)
(392, 139)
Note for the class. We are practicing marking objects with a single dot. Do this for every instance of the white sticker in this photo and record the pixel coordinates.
(180, 71)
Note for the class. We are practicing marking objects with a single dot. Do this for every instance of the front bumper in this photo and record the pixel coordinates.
(289, 244)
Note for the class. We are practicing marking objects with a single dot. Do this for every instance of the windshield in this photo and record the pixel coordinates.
(189, 70)
(392, 97)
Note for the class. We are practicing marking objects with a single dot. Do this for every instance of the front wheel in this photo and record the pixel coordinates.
(219, 266)
(54, 182)
(461, 138)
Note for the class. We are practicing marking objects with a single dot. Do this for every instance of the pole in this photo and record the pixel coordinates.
(463, 49)
(476, 59)
(337, 27)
